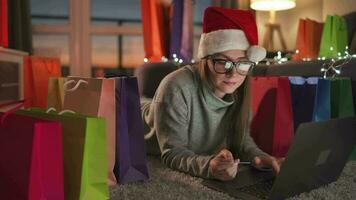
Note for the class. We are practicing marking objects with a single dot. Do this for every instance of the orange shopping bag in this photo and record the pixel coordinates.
(155, 28)
(37, 71)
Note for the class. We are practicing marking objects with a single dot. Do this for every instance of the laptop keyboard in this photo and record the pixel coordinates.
(260, 190)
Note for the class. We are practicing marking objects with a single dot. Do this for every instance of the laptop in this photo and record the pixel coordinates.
(316, 157)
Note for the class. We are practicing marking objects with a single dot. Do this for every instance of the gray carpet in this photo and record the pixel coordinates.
(165, 183)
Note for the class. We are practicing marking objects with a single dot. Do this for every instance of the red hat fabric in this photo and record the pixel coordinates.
(228, 29)
(218, 18)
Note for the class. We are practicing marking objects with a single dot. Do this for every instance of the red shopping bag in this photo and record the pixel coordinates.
(37, 71)
(272, 122)
(4, 30)
(308, 39)
(31, 165)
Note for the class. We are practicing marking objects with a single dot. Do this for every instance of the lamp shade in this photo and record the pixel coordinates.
(268, 5)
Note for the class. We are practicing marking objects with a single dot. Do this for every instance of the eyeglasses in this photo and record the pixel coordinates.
(222, 66)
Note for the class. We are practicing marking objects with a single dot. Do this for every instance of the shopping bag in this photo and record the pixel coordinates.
(155, 27)
(272, 122)
(99, 95)
(37, 71)
(55, 95)
(4, 30)
(308, 39)
(84, 154)
(334, 100)
(131, 164)
(31, 165)
(303, 92)
(334, 37)
(181, 44)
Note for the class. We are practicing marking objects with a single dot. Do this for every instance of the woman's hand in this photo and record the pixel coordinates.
(268, 161)
(223, 166)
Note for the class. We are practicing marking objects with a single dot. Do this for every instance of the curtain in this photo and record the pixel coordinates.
(4, 41)
(20, 32)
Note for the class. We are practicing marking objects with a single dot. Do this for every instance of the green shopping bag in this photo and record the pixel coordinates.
(334, 100)
(334, 37)
(84, 154)
(342, 104)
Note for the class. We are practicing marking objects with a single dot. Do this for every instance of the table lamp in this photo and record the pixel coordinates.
(272, 6)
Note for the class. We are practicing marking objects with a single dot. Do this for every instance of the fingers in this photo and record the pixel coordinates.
(257, 162)
(227, 173)
(268, 161)
(281, 160)
(275, 166)
(226, 155)
(223, 166)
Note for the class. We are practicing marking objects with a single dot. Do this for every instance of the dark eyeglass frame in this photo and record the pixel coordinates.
(235, 64)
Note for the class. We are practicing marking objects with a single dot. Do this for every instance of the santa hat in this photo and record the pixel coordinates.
(228, 29)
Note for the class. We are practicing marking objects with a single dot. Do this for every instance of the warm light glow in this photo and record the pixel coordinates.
(267, 5)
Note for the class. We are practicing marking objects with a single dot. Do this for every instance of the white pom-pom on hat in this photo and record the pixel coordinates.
(256, 53)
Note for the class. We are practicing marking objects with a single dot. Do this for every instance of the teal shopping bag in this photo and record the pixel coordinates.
(84, 154)
(322, 107)
(334, 37)
(334, 100)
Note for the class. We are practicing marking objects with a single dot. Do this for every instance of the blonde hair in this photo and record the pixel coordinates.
(204, 73)
(239, 113)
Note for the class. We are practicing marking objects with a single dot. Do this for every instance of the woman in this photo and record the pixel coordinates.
(200, 113)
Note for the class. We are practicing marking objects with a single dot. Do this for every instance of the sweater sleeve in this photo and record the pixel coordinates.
(171, 122)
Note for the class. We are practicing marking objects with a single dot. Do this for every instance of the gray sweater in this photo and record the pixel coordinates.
(191, 123)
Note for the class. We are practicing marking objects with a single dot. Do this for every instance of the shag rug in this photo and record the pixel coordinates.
(165, 183)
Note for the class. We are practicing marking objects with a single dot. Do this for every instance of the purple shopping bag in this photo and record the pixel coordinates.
(130, 164)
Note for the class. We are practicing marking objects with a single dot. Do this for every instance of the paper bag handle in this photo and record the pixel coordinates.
(60, 113)
(66, 85)
(66, 111)
(50, 109)
(12, 110)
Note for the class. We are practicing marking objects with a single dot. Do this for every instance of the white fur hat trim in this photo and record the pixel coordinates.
(228, 39)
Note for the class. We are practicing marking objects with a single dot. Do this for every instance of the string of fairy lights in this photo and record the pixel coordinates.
(175, 59)
(331, 68)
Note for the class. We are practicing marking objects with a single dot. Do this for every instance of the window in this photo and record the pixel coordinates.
(51, 38)
(108, 33)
